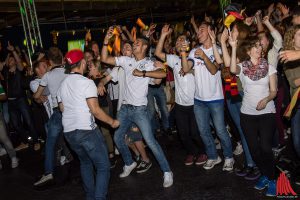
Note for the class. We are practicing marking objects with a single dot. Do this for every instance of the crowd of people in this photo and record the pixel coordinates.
(219, 87)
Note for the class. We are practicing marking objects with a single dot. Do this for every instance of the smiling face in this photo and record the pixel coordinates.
(127, 50)
(203, 33)
(180, 41)
(255, 51)
(139, 46)
(296, 40)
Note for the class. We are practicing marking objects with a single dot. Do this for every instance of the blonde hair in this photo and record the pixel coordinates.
(288, 42)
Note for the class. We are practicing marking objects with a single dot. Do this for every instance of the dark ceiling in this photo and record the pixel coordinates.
(106, 11)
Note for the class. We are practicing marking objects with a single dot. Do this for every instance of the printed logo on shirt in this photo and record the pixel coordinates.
(284, 189)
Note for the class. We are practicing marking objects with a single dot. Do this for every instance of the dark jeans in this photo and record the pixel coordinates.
(161, 100)
(54, 130)
(295, 127)
(18, 110)
(139, 115)
(91, 149)
(188, 130)
(259, 132)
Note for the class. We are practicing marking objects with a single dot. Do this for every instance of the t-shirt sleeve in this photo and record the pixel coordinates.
(1, 90)
(191, 57)
(90, 90)
(121, 61)
(170, 60)
(272, 70)
(58, 96)
(114, 74)
(44, 80)
(34, 85)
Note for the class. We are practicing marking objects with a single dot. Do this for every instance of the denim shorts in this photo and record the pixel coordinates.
(134, 135)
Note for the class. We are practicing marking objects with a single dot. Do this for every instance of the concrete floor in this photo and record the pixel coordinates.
(191, 182)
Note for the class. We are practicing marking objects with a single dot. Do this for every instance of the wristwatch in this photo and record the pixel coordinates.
(144, 73)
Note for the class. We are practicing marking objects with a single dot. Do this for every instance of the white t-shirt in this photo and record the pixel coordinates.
(254, 91)
(52, 80)
(136, 88)
(184, 85)
(113, 87)
(34, 84)
(74, 91)
(208, 86)
(118, 75)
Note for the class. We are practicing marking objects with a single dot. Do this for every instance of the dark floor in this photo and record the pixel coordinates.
(191, 183)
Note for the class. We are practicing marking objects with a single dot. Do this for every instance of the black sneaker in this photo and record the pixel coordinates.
(253, 174)
(243, 171)
(143, 167)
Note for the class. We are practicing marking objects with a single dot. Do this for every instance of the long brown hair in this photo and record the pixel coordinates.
(288, 42)
(246, 46)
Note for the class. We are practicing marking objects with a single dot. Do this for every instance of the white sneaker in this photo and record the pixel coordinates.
(14, 162)
(228, 164)
(117, 151)
(127, 170)
(2, 152)
(168, 179)
(44, 180)
(211, 163)
(238, 149)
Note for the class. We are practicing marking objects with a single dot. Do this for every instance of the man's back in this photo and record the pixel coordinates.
(74, 91)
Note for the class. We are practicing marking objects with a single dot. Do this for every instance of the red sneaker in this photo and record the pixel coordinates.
(201, 159)
(189, 160)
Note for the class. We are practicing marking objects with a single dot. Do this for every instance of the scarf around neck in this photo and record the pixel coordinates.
(255, 72)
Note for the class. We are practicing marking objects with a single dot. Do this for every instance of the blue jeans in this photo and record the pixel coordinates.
(92, 152)
(129, 114)
(161, 100)
(234, 109)
(18, 110)
(295, 128)
(215, 110)
(54, 129)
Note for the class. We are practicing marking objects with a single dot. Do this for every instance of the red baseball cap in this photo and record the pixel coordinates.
(74, 56)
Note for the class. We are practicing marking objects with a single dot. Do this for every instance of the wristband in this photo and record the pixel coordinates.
(144, 73)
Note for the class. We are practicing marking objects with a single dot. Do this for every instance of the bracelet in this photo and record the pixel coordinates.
(144, 73)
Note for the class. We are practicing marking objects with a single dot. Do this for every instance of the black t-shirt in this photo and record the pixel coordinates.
(14, 83)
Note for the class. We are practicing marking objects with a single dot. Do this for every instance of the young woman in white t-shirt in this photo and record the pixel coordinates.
(259, 82)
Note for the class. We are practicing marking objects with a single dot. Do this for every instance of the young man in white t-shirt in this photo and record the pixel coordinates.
(134, 137)
(52, 80)
(209, 99)
(138, 71)
(184, 99)
(78, 101)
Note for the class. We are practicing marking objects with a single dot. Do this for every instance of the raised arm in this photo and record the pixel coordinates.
(259, 23)
(212, 36)
(166, 30)
(274, 32)
(226, 56)
(108, 59)
(193, 22)
(234, 68)
(124, 28)
(16, 56)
